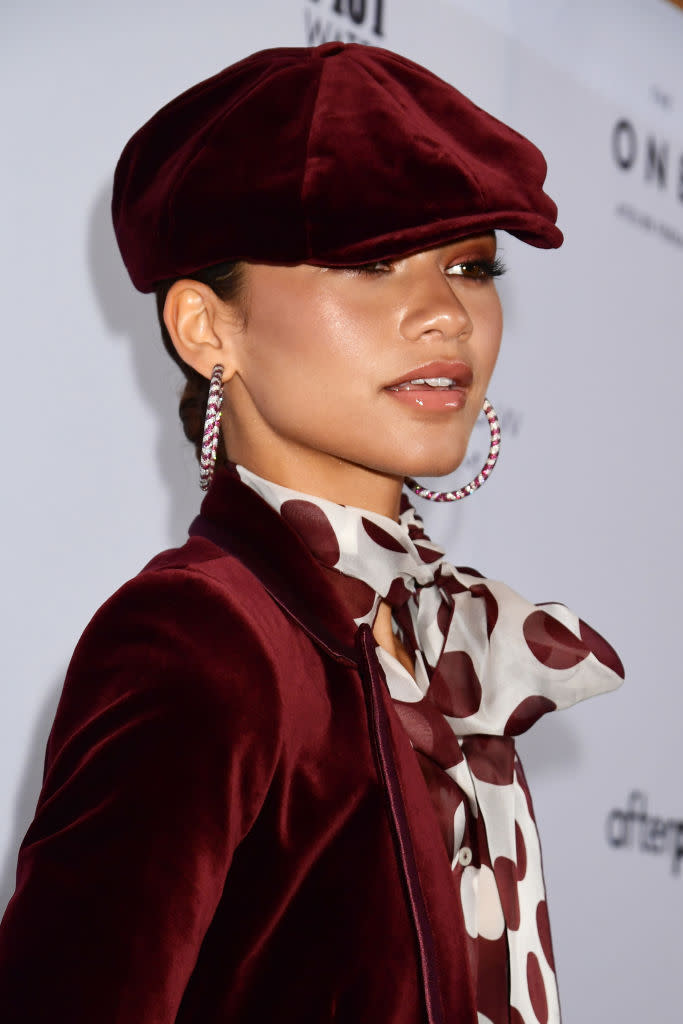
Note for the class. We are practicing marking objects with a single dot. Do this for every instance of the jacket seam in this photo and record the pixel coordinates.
(419, 914)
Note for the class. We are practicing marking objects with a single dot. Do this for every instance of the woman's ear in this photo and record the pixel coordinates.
(202, 327)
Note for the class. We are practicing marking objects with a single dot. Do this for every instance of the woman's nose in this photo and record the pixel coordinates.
(433, 309)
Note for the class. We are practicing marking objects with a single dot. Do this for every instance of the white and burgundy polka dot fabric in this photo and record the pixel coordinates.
(488, 664)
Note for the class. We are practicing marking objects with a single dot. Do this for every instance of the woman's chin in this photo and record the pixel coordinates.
(432, 467)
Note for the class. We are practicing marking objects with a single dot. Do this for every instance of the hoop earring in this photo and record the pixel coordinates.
(473, 485)
(212, 426)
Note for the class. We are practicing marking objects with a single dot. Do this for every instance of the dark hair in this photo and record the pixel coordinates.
(227, 281)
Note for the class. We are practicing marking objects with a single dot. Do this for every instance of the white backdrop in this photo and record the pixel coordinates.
(585, 504)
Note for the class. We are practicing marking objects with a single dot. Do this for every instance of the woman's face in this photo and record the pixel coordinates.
(347, 380)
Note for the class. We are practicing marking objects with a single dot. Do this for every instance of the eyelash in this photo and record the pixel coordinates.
(474, 270)
(483, 268)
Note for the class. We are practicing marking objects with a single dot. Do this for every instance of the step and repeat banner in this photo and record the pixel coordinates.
(584, 506)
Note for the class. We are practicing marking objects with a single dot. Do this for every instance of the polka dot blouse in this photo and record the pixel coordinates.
(487, 665)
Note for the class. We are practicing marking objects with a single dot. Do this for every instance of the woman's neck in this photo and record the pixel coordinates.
(341, 482)
(383, 633)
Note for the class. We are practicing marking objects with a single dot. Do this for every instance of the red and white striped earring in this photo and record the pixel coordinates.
(212, 428)
(481, 478)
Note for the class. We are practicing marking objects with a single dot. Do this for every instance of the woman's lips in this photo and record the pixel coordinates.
(439, 385)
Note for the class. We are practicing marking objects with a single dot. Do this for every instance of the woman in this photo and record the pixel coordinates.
(282, 784)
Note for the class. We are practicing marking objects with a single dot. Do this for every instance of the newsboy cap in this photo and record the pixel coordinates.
(334, 155)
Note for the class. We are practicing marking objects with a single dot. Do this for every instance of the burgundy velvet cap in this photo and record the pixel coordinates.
(334, 155)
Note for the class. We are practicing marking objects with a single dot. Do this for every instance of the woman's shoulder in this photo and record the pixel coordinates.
(194, 633)
(186, 593)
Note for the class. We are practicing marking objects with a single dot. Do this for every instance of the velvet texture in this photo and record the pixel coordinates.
(233, 825)
(339, 154)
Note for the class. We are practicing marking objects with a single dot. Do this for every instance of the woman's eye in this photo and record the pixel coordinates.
(380, 267)
(477, 270)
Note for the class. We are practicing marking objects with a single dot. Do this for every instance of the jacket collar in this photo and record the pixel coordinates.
(236, 519)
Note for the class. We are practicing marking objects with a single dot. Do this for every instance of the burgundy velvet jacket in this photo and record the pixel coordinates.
(233, 825)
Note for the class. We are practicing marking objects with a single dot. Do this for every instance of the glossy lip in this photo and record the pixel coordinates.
(459, 372)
